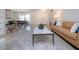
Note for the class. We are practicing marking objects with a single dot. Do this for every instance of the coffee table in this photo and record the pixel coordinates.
(44, 31)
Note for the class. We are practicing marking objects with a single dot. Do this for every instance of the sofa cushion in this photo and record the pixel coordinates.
(78, 36)
(67, 24)
(74, 27)
(66, 32)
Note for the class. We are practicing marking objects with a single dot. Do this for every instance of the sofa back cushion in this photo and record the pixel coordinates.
(67, 24)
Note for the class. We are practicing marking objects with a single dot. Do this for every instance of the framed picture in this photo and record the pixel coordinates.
(8, 14)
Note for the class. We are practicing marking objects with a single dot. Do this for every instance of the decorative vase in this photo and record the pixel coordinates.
(41, 26)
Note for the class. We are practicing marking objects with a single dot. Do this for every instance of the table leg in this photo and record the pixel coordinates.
(33, 40)
(53, 38)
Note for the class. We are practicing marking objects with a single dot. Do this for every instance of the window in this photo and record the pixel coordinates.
(25, 17)
(21, 17)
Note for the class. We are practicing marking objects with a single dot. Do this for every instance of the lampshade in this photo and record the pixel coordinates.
(57, 16)
(58, 13)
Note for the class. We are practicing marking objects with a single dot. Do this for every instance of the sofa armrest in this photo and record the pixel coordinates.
(78, 36)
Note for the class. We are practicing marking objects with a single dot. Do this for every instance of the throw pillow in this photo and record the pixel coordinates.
(55, 23)
(77, 30)
(59, 23)
(74, 27)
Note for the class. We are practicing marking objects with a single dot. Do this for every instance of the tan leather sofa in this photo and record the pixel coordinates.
(64, 32)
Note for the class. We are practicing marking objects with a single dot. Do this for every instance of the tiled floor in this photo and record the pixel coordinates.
(22, 40)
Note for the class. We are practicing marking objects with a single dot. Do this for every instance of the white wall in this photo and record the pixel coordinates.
(40, 17)
(37, 16)
(71, 14)
(2, 21)
(17, 13)
(15, 16)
